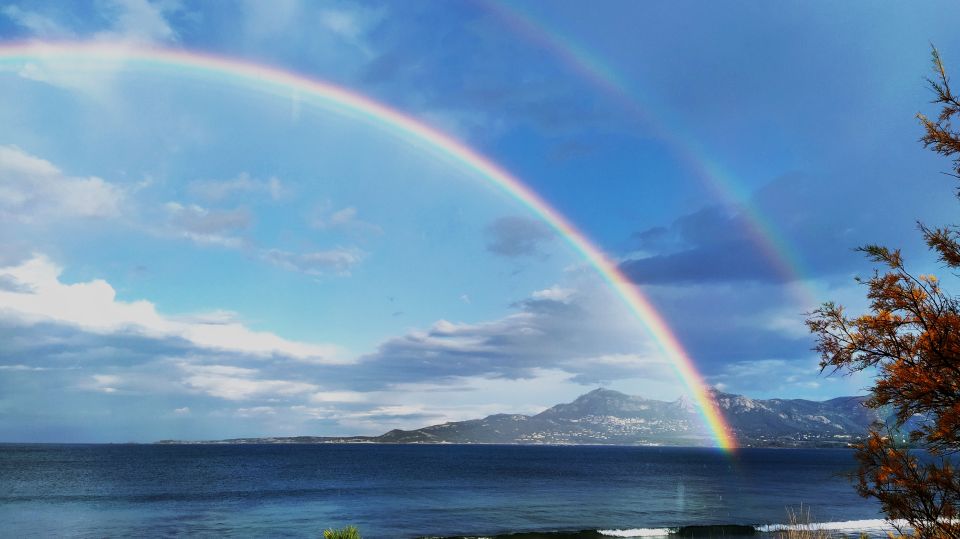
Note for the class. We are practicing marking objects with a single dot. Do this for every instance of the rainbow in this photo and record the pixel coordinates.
(601, 76)
(111, 56)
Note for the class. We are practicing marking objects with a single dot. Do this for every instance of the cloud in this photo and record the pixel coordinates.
(326, 218)
(38, 24)
(237, 383)
(35, 190)
(338, 261)
(786, 232)
(709, 245)
(106, 383)
(93, 306)
(554, 293)
(8, 283)
(576, 333)
(339, 396)
(516, 236)
(21, 367)
(352, 24)
(243, 184)
(138, 21)
(122, 23)
(207, 226)
(132, 21)
(779, 378)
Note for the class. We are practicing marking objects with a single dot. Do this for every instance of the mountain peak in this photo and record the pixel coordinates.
(603, 392)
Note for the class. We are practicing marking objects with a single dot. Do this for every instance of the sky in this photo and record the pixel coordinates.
(188, 255)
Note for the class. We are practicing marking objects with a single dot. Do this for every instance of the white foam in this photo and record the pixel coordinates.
(846, 525)
(638, 532)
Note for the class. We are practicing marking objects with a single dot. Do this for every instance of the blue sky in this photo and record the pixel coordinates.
(185, 257)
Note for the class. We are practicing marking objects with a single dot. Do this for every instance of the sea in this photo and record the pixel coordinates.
(409, 491)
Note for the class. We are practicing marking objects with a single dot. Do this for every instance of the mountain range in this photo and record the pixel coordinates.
(604, 416)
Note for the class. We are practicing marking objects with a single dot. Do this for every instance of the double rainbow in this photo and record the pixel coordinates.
(588, 67)
(273, 80)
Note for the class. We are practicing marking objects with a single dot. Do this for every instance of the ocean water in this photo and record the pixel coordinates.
(416, 490)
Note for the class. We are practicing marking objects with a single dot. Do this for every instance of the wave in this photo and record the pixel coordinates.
(872, 527)
(869, 526)
(845, 525)
(639, 532)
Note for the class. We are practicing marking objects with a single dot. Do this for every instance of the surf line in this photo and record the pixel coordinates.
(85, 57)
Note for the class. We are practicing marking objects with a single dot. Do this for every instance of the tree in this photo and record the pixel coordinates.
(911, 336)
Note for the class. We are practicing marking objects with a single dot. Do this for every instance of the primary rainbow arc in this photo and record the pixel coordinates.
(90, 54)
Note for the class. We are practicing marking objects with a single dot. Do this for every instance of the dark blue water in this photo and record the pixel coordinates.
(409, 490)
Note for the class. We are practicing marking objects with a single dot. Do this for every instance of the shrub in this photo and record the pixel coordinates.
(349, 532)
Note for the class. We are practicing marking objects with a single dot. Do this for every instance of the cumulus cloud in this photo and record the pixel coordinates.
(516, 236)
(93, 306)
(35, 190)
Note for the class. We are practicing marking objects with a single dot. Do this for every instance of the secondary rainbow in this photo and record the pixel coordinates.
(96, 55)
(763, 233)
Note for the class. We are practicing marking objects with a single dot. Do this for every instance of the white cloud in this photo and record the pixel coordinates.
(255, 411)
(39, 24)
(22, 368)
(138, 21)
(236, 383)
(131, 21)
(33, 189)
(217, 190)
(554, 293)
(107, 383)
(124, 23)
(93, 306)
(326, 218)
(182, 411)
(339, 396)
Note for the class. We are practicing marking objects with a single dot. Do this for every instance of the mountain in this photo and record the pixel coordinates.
(604, 416)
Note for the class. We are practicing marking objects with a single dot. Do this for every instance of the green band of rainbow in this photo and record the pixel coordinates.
(89, 55)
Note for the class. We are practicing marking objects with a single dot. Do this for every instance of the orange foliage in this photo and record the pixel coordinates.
(911, 336)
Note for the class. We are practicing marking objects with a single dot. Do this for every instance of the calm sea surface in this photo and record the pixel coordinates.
(410, 490)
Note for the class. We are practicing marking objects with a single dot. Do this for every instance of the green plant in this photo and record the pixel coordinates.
(349, 532)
